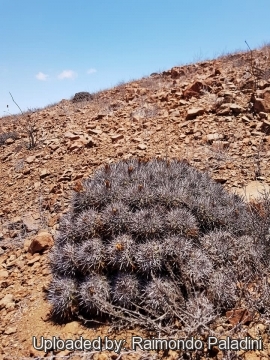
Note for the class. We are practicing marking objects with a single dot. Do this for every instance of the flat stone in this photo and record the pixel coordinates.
(33, 260)
(94, 131)
(9, 141)
(44, 172)
(69, 135)
(245, 119)
(3, 274)
(224, 109)
(213, 137)
(26, 244)
(117, 137)
(253, 191)
(10, 330)
(263, 115)
(176, 73)
(141, 147)
(30, 223)
(261, 101)
(194, 112)
(100, 115)
(237, 109)
(194, 89)
(30, 159)
(8, 298)
(137, 118)
(265, 127)
(72, 327)
(252, 356)
(237, 316)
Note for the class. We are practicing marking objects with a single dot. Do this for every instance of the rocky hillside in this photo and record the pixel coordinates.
(215, 114)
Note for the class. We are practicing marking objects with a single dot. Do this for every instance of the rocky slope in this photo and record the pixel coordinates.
(215, 114)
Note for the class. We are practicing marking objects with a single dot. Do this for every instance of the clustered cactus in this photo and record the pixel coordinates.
(152, 242)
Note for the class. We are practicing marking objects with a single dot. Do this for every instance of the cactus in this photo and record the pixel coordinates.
(93, 291)
(125, 290)
(63, 295)
(120, 253)
(144, 240)
(91, 256)
(161, 296)
(149, 257)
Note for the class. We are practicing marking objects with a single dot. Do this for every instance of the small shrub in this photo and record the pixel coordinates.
(82, 96)
(8, 135)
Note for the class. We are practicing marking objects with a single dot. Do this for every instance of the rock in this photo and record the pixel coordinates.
(117, 137)
(183, 102)
(72, 327)
(210, 138)
(10, 330)
(102, 356)
(194, 112)
(100, 115)
(26, 244)
(69, 135)
(88, 141)
(252, 356)
(16, 221)
(258, 105)
(256, 133)
(263, 115)
(3, 274)
(9, 141)
(7, 302)
(76, 145)
(141, 147)
(224, 109)
(265, 127)
(30, 223)
(176, 73)
(83, 141)
(162, 95)
(220, 145)
(220, 179)
(91, 125)
(261, 101)
(253, 191)
(227, 95)
(43, 173)
(41, 242)
(30, 159)
(26, 171)
(237, 316)
(136, 118)
(194, 89)
(33, 260)
(94, 131)
(245, 119)
(236, 109)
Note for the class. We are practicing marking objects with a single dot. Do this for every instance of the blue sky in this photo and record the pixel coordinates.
(51, 49)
